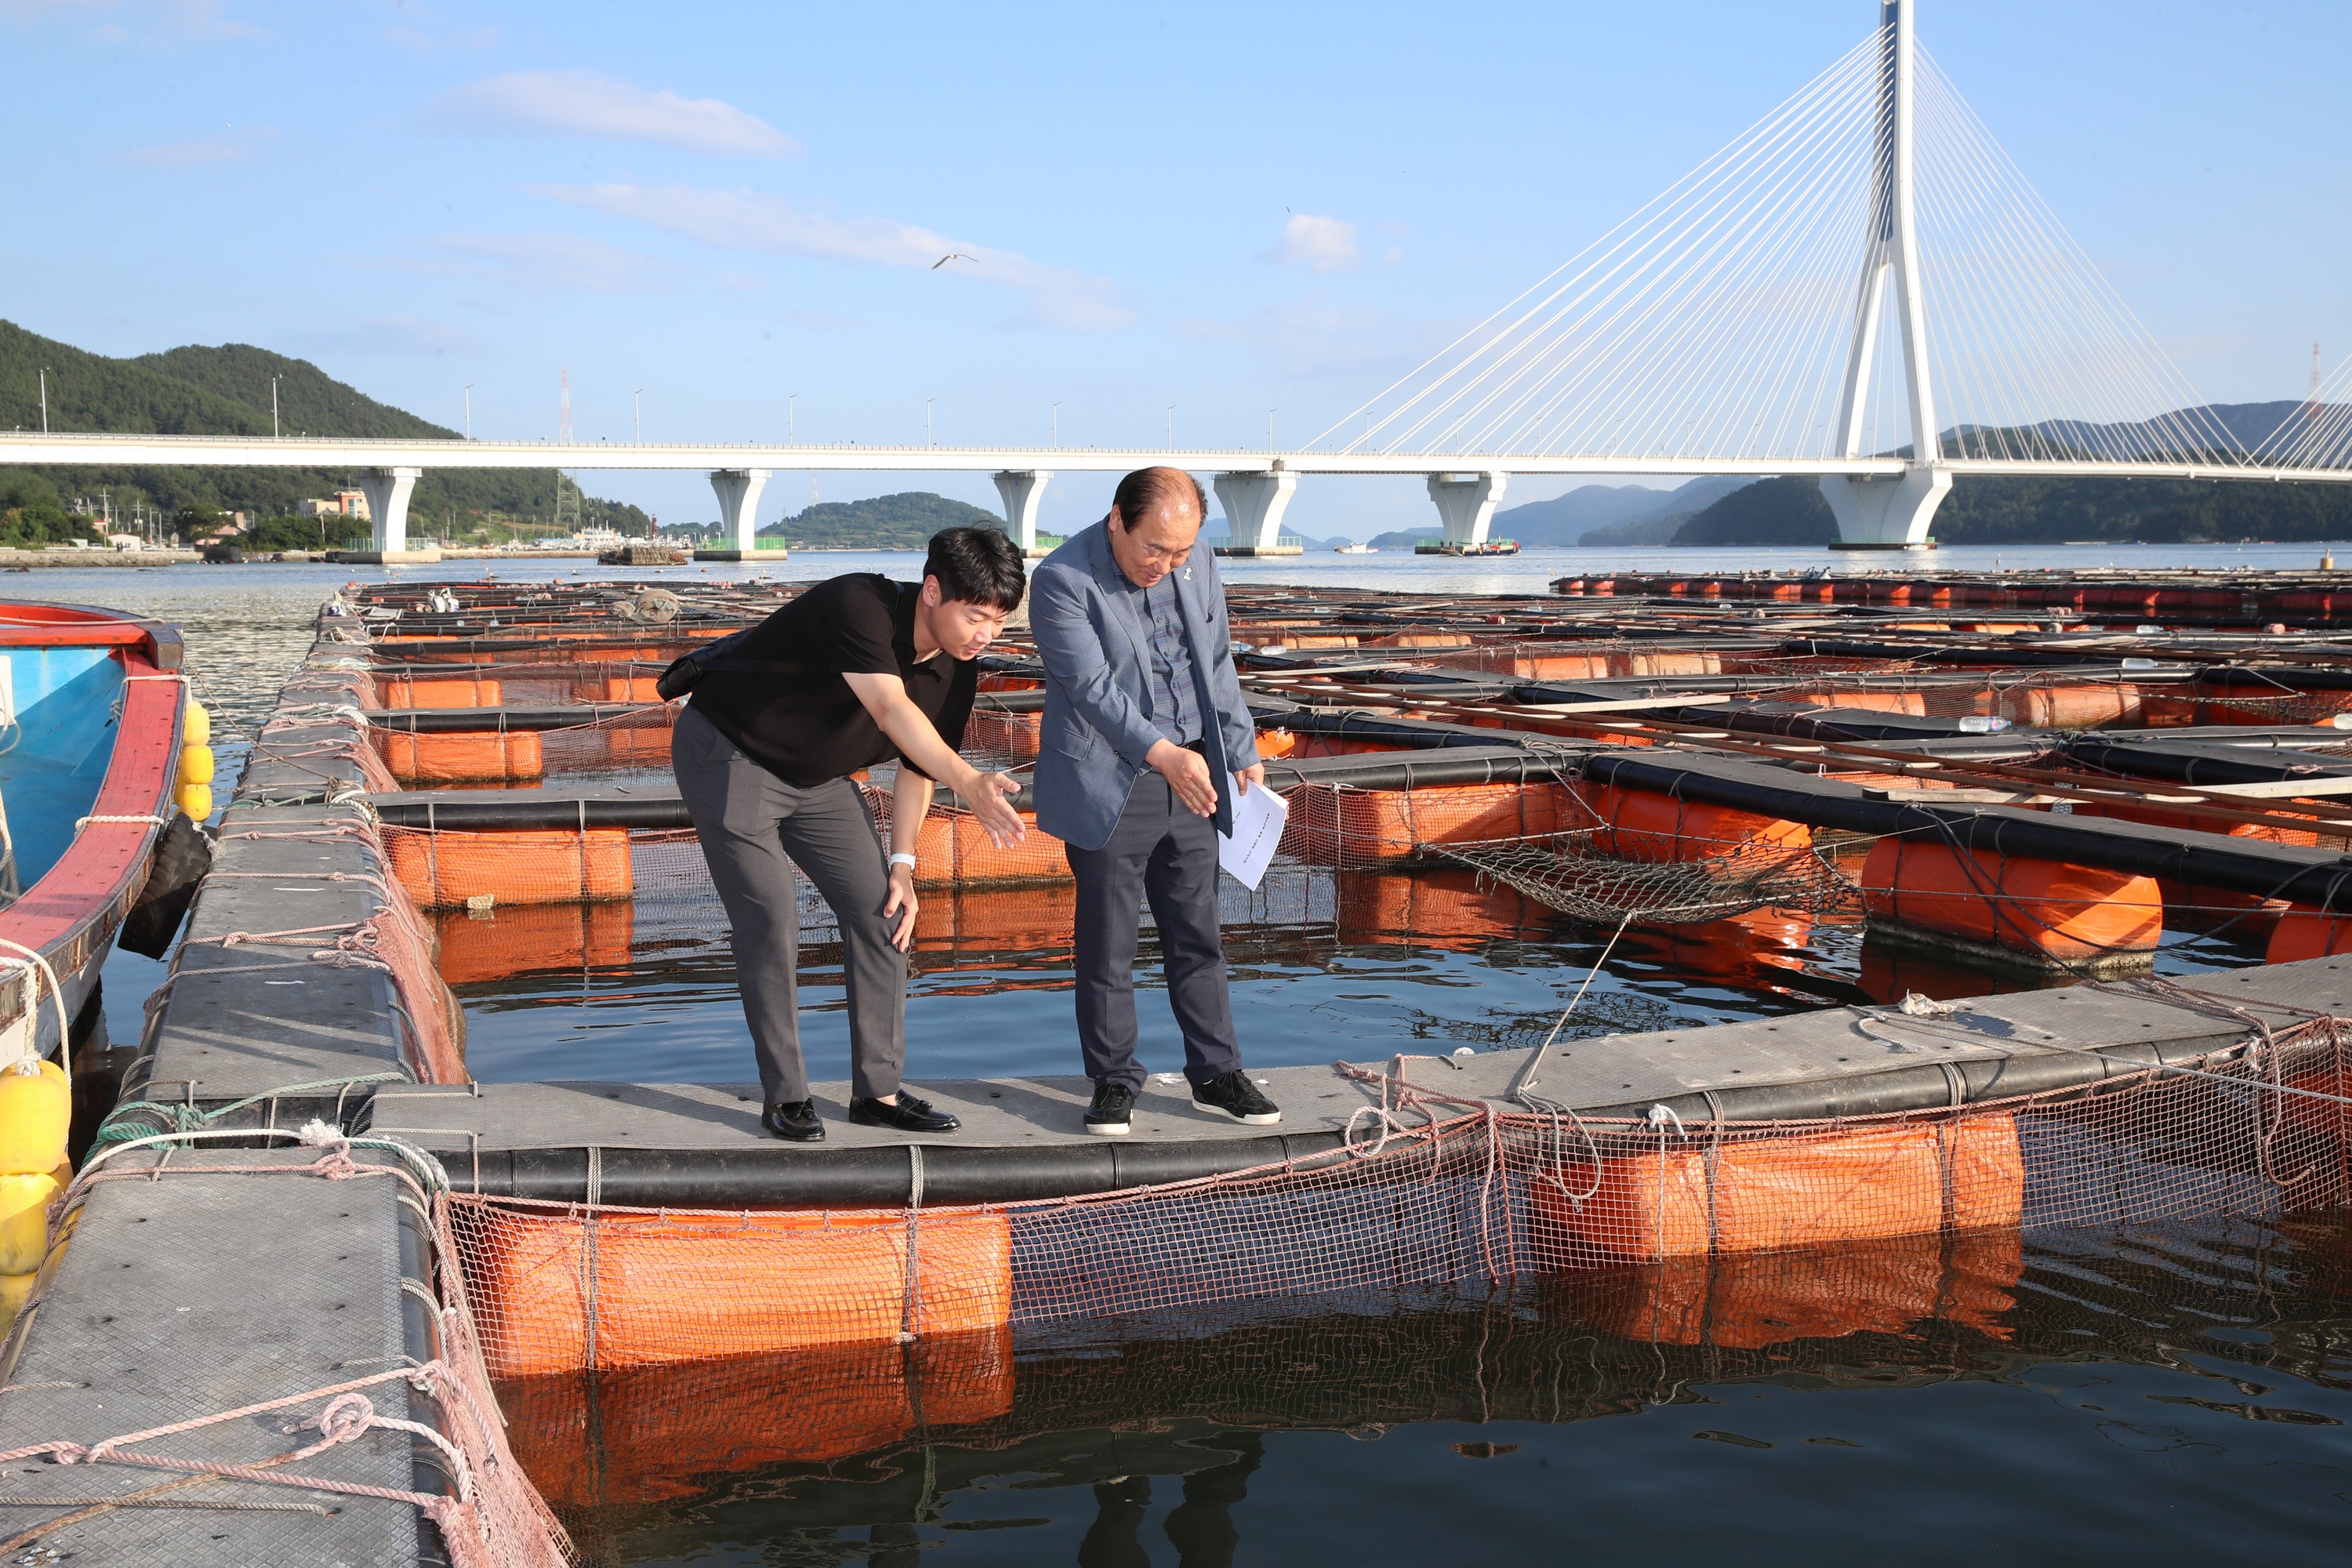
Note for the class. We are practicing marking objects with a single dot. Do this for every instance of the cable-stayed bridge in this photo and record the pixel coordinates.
(1863, 288)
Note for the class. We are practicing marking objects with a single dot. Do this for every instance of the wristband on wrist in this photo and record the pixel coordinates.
(903, 858)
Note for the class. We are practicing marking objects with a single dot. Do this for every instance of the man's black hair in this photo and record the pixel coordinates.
(977, 565)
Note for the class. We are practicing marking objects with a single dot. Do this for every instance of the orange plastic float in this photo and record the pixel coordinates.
(2307, 932)
(1748, 1300)
(496, 944)
(956, 849)
(1641, 824)
(417, 691)
(2042, 910)
(657, 1433)
(1766, 1194)
(532, 866)
(667, 1288)
(2071, 707)
(1333, 826)
(477, 756)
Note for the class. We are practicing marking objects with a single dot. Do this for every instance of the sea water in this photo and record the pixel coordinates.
(2151, 1396)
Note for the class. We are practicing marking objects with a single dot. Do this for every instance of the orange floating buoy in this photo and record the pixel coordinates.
(438, 692)
(1693, 1196)
(2039, 908)
(631, 689)
(1642, 824)
(665, 1287)
(1332, 826)
(473, 756)
(653, 1433)
(2082, 707)
(2307, 932)
(533, 865)
(1561, 665)
(503, 941)
(956, 849)
(1748, 1300)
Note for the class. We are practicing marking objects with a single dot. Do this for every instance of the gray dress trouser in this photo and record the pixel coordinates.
(1162, 852)
(755, 828)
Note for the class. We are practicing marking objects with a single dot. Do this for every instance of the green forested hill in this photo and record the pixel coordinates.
(902, 522)
(224, 390)
(1983, 510)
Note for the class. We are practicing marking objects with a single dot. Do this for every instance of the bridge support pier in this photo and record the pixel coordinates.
(1021, 489)
(1875, 513)
(1465, 504)
(739, 515)
(1253, 506)
(387, 491)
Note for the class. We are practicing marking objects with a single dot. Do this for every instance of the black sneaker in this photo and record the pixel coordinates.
(794, 1120)
(1233, 1094)
(1109, 1115)
(909, 1113)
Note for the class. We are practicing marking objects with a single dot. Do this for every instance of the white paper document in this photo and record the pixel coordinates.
(1258, 817)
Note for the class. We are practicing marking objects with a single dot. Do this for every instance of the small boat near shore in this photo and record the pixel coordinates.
(105, 771)
(1451, 547)
(1355, 550)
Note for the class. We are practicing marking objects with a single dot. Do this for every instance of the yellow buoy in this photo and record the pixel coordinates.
(198, 728)
(35, 1109)
(195, 765)
(24, 1220)
(14, 1289)
(197, 800)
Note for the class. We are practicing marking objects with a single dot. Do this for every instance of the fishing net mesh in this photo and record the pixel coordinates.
(1426, 1189)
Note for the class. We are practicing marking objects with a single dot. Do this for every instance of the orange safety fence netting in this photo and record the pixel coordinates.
(1428, 1192)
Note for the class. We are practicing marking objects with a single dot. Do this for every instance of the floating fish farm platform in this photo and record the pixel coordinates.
(317, 1294)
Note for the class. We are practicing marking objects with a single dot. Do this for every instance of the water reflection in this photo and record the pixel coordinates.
(2012, 1380)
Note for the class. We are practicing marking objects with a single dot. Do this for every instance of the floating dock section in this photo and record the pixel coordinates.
(322, 1292)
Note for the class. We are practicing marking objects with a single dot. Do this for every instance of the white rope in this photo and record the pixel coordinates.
(40, 966)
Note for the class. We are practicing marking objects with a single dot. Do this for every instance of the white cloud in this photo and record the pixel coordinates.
(1317, 244)
(542, 263)
(1058, 296)
(584, 104)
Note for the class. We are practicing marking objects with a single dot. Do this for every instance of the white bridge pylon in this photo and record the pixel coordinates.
(1725, 325)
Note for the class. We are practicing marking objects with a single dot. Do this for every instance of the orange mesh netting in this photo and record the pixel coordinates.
(1428, 1193)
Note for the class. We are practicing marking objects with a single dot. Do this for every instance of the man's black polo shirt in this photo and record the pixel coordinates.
(806, 726)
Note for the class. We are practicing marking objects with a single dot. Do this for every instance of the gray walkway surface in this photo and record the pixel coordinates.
(701, 1145)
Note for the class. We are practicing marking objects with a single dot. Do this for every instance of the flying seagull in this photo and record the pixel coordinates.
(951, 255)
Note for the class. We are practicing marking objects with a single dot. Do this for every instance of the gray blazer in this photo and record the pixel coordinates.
(1093, 735)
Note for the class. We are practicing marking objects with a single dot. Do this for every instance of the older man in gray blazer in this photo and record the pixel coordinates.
(1145, 744)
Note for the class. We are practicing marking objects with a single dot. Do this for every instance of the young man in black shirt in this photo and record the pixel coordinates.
(856, 671)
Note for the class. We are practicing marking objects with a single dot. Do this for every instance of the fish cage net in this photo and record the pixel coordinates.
(1565, 871)
(1426, 1191)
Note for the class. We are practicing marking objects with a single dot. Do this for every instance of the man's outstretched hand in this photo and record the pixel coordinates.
(1187, 773)
(991, 805)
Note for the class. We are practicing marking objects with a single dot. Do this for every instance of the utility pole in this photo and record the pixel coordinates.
(564, 412)
(790, 440)
(469, 411)
(45, 400)
(1171, 427)
(273, 408)
(637, 400)
(1058, 426)
(1269, 427)
(927, 419)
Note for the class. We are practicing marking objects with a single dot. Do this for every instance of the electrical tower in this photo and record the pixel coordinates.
(567, 502)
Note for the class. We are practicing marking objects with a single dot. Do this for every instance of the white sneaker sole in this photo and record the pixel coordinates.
(1109, 1129)
(1208, 1110)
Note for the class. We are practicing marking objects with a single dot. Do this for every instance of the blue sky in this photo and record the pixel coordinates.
(1225, 208)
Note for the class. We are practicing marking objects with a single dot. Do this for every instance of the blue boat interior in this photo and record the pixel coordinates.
(55, 749)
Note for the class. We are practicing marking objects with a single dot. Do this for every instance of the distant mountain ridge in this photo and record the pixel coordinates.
(224, 390)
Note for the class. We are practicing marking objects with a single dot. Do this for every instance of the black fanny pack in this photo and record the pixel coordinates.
(687, 669)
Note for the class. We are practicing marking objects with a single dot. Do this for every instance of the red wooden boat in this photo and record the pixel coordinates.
(94, 722)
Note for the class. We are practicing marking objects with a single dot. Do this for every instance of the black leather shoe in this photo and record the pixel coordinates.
(912, 1113)
(794, 1120)
(1233, 1094)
